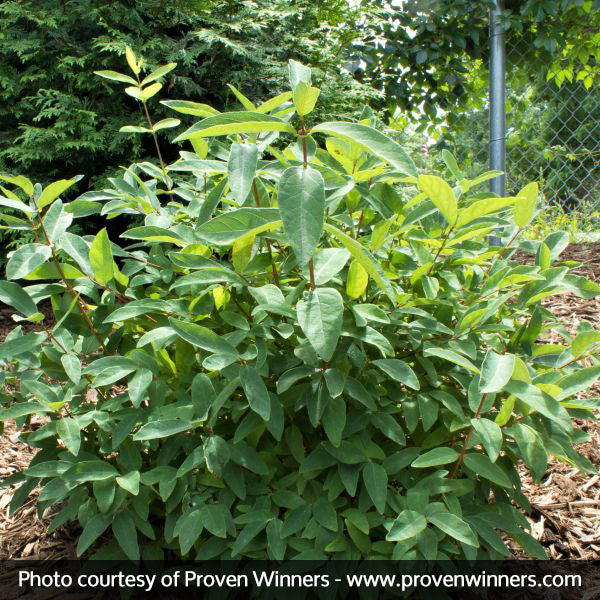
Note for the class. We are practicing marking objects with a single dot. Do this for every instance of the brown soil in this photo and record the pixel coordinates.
(566, 503)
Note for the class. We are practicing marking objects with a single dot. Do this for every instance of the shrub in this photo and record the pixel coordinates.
(288, 360)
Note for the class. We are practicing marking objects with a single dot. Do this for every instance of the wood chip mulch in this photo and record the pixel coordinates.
(566, 503)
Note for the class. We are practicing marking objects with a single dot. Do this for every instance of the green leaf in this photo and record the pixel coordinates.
(525, 207)
(373, 141)
(204, 338)
(77, 249)
(130, 482)
(328, 263)
(190, 108)
(435, 457)
(305, 98)
(451, 356)
(228, 227)
(408, 524)
(21, 344)
(236, 122)
(454, 526)
(114, 76)
(72, 366)
(452, 165)
(54, 190)
(357, 280)
(320, 318)
(376, 480)
(245, 102)
(483, 466)
(93, 529)
(541, 402)
(583, 341)
(138, 385)
(26, 259)
(158, 73)
(301, 199)
(203, 396)
(256, 391)
(134, 129)
(153, 234)
(274, 103)
(246, 535)
(491, 436)
(90, 470)
(481, 208)
(496, 371)
(441, 195)
(161, 429)
(166, 124)
(241, 168)
(580, 380)
(366, 259)
(298, 72)
(19, 181)
(101, 258)
(14, 295)
(69, 432)
(125, 533)
(399, 371)
(334, 420)
(216, 453)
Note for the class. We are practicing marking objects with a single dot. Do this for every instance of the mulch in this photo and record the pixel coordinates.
(566, 503)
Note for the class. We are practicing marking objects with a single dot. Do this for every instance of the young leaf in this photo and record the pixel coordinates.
(101, 258)
(54, 190)
(320, 318)
(357, 281)
(245, 102)
(158, 73)
(367, 261)
(301, 199)
(441, 195)
(298, 73)
(373, 141)
(236, 122)
(190, 108)
(305, 98)
(114, 76)
(525, 207)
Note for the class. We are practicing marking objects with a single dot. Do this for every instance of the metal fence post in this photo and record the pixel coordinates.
(497, 105)
(497, 99)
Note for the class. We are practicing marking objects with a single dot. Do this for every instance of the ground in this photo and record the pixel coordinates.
(566, 503)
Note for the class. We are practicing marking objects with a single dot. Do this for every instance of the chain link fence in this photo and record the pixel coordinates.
(552, 134)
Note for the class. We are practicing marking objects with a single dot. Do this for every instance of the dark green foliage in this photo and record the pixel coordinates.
(56, 119)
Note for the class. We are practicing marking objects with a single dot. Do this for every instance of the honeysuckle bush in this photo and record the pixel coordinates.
(289, 358)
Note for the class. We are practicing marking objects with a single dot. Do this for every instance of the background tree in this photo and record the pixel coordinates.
(55, 117)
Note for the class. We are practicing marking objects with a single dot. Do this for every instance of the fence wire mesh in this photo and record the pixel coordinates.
(552, 134)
